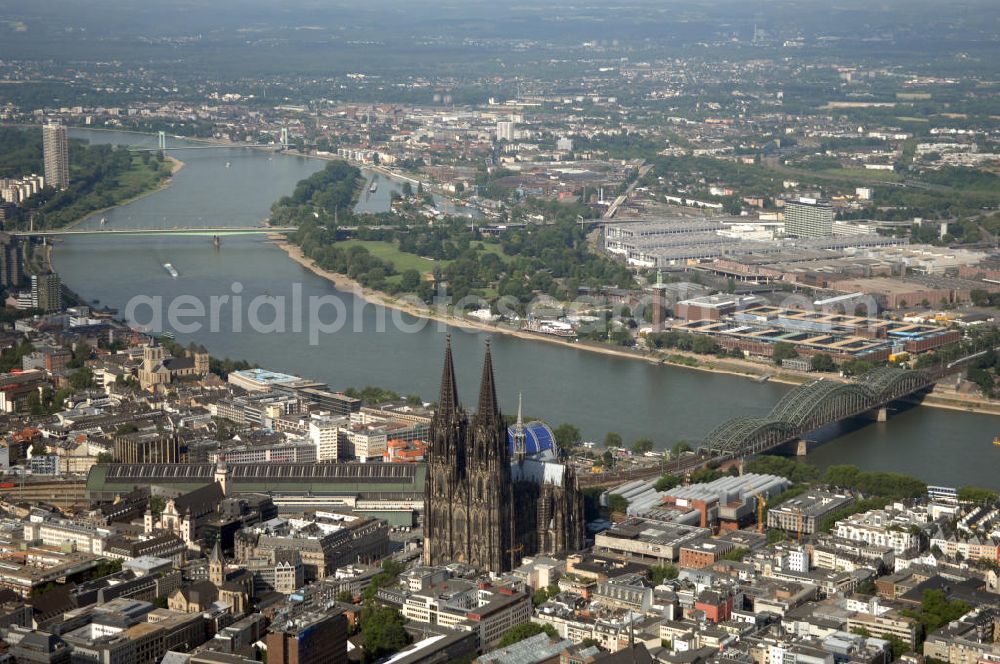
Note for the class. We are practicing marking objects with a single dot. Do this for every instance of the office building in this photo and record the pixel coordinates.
(55, 146)
(46, 292)
(146, 447)
(505, 131)
(803, 514)
(304, 637)
(11, 266)
(808, 217)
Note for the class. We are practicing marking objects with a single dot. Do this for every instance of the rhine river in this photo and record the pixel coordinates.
(598, 393)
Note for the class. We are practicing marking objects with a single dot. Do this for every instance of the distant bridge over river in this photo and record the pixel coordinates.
(177, 230)
(161, 144)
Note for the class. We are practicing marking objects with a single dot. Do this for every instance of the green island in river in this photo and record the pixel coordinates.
(101, 177)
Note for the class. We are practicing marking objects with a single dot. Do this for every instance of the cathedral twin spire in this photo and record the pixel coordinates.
(488, 408)
(448, 407)
(486, 419)
(448, 404)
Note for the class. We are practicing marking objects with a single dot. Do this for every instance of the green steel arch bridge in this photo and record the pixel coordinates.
(813, 405)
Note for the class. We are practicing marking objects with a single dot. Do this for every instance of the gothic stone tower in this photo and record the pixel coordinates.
(467, 500)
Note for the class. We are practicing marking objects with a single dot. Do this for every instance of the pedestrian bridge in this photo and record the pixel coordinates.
(813, 405)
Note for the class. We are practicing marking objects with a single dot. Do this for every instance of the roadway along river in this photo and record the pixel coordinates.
(596, 392)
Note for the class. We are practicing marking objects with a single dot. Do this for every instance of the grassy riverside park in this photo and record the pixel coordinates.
(388, 250)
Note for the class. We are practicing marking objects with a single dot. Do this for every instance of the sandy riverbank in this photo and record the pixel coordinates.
(947, 399)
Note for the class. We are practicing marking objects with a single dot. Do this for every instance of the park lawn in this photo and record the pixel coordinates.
(493, 248)
(863, 174)
(141, 177)
(389, 251)
(402, 260)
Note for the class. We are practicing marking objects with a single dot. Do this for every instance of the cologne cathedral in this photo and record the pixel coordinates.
(494, 493)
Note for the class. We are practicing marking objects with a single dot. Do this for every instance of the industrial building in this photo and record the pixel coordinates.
(668, 243)
(714, 307)
(390, 491)
(726, 503)
(843, 337)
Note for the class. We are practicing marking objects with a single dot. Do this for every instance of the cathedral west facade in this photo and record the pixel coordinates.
(489, 500)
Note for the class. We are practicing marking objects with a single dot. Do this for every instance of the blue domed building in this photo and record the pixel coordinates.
(539, 440)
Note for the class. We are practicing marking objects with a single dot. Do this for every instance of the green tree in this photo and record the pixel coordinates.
(642, 446)
(660, 573)
(936, 610)
(105, 457)
(620, 336)
(608, 459)
(737, 554)
(612, 439)
(383, 632)
(409, 280)
(81, 379)
(617, 503)
(567, 437)
(822, 362)
(525, 631)
(791, 469)
(783, 351)
(388, 576)
(35, 406)
(667, 482)
(972, 494)
(543, 595)
(856, 367)
(156, 505)
(704, 475)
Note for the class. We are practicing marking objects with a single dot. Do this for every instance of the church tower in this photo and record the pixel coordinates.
(468, 489)
(216, 565)
(445, 498)
(490, 480)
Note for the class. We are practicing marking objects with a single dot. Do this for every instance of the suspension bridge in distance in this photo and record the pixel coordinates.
(161, 144)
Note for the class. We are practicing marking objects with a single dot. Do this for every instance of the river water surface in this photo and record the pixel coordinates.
(598, 393)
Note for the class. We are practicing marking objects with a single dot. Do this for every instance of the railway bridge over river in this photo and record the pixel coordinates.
(813, 405)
